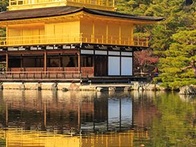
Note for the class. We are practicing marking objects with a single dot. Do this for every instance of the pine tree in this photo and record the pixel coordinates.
(3, 5)
(172, 39)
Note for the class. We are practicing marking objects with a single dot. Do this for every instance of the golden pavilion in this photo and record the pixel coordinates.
(69, 39)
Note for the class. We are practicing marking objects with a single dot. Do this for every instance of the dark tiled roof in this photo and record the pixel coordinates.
(64, 10)
(37, 13)
(123, 15)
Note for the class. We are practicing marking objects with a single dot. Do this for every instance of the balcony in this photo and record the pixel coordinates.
(31, 4)
(55, 73)
(72, 39)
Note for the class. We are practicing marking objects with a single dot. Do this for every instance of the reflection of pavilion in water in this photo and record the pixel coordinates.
(79, 111)
(70, 113)
(24, 138)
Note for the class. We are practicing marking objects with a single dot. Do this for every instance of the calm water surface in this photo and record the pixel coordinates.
(96, 119)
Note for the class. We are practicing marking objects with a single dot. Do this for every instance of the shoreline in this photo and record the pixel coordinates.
(77, 86)
(96, 87)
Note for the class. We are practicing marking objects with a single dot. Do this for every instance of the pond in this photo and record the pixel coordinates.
(96, 119)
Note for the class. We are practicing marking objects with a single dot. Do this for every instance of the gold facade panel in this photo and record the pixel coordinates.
(74, 28)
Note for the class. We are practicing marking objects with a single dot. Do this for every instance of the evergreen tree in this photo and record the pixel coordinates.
(172, 39)
(177, 63)
(3, 5)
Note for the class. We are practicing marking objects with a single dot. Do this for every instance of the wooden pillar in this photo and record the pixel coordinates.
(60, 60)
(45, 61)
(21, 61)
(79, 61)
(120, 34)
(93, 63)
(107, 33)
(93, 33)
(7, 59)
(131, 40)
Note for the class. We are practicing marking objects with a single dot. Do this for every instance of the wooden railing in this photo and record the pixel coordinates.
(40, 75)
(78, 38)
(28, 4)
(51, 73)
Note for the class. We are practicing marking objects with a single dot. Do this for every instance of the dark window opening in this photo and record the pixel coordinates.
(62, 61)
(32, 61)
(53, 62)
(86, 61)
(101, 66)
(72, 61)
(15, 62)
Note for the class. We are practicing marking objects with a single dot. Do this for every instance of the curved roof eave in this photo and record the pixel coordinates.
(65, 10)
(122, 15)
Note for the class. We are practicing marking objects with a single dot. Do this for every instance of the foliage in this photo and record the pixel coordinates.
(179, 64)
(172, 40)
(3, 5)
(2, 32)
(145, 61)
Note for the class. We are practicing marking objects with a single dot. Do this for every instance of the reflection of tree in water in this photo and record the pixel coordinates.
(174, 127)
(166, 119)
(144, 111)
(2, 109)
